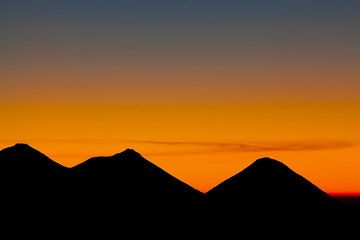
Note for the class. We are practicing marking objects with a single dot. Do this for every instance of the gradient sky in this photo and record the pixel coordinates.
(200, 88)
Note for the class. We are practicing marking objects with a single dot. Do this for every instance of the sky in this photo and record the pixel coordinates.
(200, 88)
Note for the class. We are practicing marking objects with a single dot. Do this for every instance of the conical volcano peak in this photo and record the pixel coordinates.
(272, 180)
(268, 162)
(129, 152)
(267, 166)
(134, 175)
(25, 158)
(22, 146)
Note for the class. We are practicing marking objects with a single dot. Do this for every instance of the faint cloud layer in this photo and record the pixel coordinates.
(188, 148)
(211, 147)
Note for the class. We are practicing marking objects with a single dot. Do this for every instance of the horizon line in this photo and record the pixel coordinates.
(333, 194)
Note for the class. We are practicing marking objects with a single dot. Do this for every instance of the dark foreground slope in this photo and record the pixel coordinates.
(126, 194)
(28, 176)
(22, 162)
(269, 189)
(128, 183)
(269, 184)
(268, 198)
(350, 201)
(125, 187)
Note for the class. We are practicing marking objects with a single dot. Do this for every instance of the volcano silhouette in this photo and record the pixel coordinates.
(30, 182)
(22, 161)
(128, 185)
(128, 179)
(26, 171)
(268, 185)
(125, 185)
(126, 193)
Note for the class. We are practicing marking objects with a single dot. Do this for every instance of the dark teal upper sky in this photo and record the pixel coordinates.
(174, 42)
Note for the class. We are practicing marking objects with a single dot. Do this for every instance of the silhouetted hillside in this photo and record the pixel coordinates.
(268, 197)
(350, 201)
(125, 187)
(129, 179)
(24, 169)
(30, 183)
(21, 161)
(126, 191)
(269, 185)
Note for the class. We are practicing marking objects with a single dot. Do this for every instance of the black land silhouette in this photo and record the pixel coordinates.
(269, 185)
(130, 189)
(22, 161)
(129, 180)
(29, 177)
(125, 185)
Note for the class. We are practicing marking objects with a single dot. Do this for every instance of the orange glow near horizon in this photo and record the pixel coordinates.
(200, 88)
(201, 144)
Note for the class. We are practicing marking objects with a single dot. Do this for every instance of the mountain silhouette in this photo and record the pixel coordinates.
(30, 182)
(268, 194)
(125, 186)
(125, 193)
(127, 181)
(21, 160)
(23, 169)
(268, 185)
